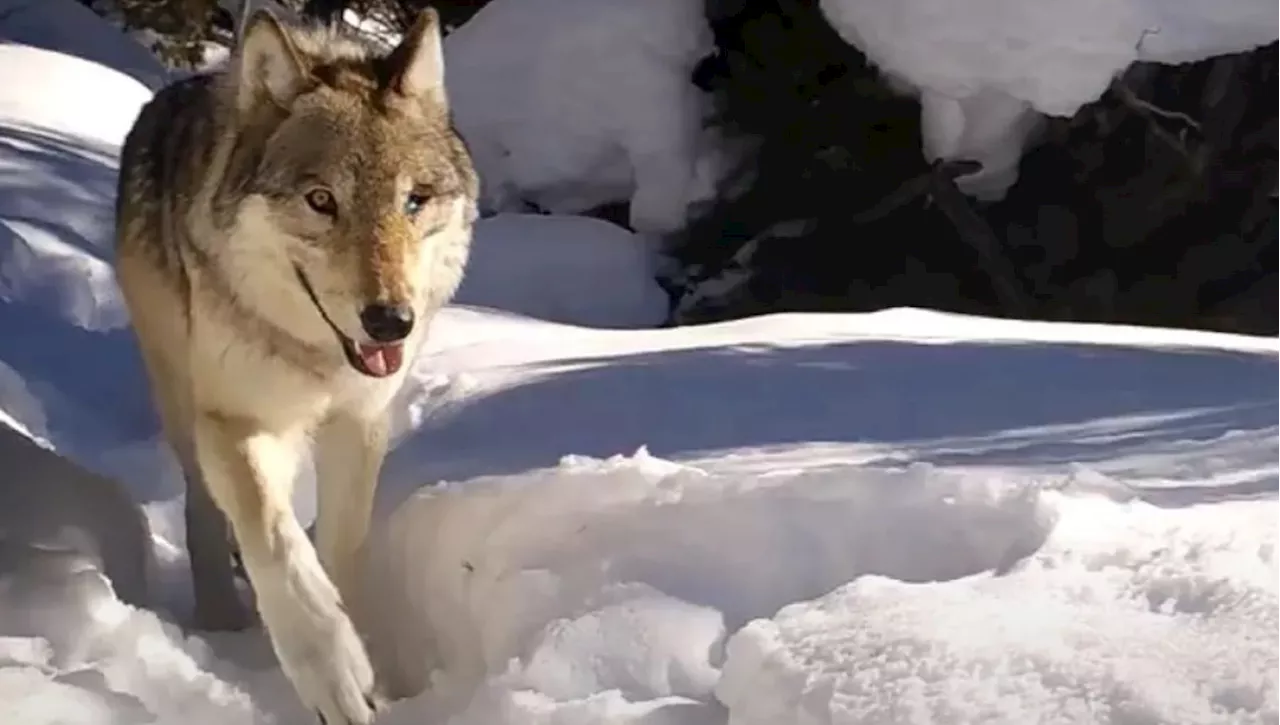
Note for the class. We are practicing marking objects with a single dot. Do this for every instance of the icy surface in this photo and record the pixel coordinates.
(897, 517)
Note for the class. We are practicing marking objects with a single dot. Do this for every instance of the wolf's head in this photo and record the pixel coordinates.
(345, 164)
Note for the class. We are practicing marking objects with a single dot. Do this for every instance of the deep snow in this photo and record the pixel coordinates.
(894, 517)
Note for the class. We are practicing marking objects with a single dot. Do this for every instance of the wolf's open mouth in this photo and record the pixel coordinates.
(377, 360)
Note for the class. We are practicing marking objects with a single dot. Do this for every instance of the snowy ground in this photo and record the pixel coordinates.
(900, 517)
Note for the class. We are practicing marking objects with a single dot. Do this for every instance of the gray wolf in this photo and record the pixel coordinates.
(287, 226)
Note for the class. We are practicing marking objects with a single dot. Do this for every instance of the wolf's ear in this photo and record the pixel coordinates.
(268, 65)
(417, 64)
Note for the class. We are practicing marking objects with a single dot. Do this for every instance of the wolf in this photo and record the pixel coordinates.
(287, 226)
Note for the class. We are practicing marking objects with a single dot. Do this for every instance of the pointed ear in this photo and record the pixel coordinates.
(417, 64)
(268, 65)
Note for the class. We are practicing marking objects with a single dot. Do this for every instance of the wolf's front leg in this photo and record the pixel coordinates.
(249, 472)
(349, 452)
(217, 601)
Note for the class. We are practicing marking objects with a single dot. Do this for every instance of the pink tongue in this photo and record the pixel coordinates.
(381, 360)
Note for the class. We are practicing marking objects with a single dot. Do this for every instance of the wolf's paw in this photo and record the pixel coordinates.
(316, 642)
(330, 670)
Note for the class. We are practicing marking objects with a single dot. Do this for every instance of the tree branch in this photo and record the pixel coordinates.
(974, 230)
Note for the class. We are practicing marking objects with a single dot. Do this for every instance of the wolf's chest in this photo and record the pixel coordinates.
(247, 376)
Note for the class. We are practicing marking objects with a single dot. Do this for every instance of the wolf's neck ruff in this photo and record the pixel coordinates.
(374, 360)
(273, 338)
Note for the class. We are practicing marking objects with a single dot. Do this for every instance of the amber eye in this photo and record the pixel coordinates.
(322, 202)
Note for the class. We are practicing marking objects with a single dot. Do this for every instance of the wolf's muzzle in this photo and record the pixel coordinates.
(384, 357)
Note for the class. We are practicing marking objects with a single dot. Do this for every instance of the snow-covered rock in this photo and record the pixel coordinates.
(66, 26)
(568, 269)
(572, 104)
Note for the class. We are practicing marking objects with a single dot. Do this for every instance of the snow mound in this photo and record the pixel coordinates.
(984, 69)
(67, 26)
(59, 148)
(1172, 624)
(57, 518)
(572, 104)
(626, 574)
(69, 86)
(572, 270)
(96, 661)
(57, 182)
(75, 557)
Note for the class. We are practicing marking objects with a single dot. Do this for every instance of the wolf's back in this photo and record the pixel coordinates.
(163, 165)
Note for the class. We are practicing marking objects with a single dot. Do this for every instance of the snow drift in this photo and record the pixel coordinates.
(66, 26)
(546, 131)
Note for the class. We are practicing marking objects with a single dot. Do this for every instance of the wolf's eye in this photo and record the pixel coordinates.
(414, 202)
(322, 202)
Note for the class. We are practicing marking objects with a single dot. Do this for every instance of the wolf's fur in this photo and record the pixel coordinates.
(228, 275)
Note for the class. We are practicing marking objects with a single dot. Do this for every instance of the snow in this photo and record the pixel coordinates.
(66, 26)
(561, 268)
(820, 519)
(1087, 631)
(544, 132)
(984, 69)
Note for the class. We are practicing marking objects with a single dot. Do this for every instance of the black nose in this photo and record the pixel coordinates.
(387, 323)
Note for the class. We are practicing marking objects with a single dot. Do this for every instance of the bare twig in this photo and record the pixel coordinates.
(939, 183)
(1147, 108)
(1137, 47)
(903, 195)
(1153, 114)
(974, 230)
(915, 188)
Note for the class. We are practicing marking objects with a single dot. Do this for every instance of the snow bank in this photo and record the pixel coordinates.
(1128, 614)
(800, 452)
(69, 87)
(74, 556)
(58, 157)
(985, 69)
(66, 26)
(57, 181)
(99, 662)
(627, 573)
(571, 104)
(616, 591)
(56, 518)
(567, 269)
